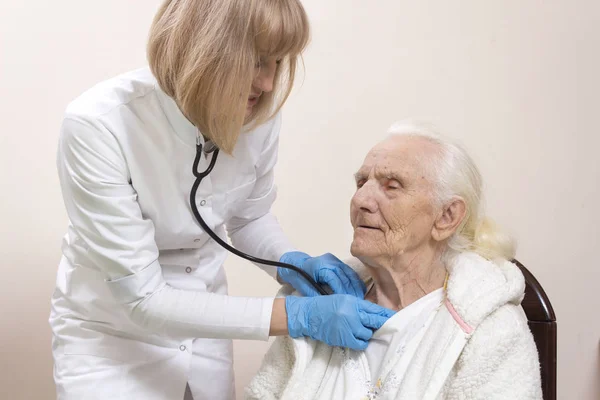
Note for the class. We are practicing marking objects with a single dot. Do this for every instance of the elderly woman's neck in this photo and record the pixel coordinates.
(406, 278)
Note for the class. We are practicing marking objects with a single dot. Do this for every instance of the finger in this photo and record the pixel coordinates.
(350, 287)
(358, 344)
(357, 284)
(362, 333)
(306, 289)
(299, 283)
(329, 277)
(295, 258)
(329, 258)
(287, 275)
(373, 308)
(372, 321)
(337, 281)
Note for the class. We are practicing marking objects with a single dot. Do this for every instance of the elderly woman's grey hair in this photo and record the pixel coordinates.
(454, 174)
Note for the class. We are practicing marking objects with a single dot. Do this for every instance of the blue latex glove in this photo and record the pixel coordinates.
(338, 320)
(326, 269)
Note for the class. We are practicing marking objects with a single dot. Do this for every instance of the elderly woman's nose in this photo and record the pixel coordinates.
(364, 198)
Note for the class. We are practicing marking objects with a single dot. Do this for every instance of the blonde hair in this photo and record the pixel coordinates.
(203, 54)
(454, 173)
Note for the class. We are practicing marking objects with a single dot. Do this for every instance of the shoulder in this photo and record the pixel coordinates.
(109, 95)
(478, 287)
(504, 327)
(94, 116)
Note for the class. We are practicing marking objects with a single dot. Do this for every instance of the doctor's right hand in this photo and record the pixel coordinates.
(325, 270)
(338, 320)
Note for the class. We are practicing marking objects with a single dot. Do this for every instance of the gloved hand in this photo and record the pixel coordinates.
(326, 269)
(338, 320)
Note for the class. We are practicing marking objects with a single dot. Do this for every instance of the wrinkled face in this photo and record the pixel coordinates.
(392, 211)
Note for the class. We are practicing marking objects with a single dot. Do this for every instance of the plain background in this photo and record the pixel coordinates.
(516, 81)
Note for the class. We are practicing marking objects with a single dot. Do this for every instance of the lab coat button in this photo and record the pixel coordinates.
(182, 348)
(188, 270)
(203, 203)
(197, 240)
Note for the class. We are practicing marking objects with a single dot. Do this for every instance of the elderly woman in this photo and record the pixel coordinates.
(425, 250)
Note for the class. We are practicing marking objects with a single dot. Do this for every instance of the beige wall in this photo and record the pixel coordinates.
(516, 81)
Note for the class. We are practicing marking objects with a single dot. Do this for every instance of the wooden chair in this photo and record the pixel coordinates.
(542, 322)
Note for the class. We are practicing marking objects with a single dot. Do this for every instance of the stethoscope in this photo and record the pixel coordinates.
(211, 148)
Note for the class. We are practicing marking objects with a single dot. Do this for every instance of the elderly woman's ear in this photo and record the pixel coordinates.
(449, 219)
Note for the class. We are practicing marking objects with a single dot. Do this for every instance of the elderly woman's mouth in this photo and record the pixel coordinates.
(374, 228)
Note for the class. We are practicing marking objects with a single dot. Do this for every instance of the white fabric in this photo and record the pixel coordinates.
(398, 334)
(139, 281)
(477, 346)
(350, 372)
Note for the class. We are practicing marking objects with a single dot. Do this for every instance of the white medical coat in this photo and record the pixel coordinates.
(139, 281)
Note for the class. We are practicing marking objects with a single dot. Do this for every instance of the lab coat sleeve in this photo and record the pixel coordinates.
(102, 207)
(254, 229)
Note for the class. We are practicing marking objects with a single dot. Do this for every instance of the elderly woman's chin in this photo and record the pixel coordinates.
(364, 248)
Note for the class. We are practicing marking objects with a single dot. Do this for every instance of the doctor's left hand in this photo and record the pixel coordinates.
(326, 269)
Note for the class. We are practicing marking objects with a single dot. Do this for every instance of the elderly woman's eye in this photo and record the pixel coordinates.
(393, 185)
(360, 183)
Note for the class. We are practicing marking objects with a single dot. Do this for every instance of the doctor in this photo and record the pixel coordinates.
(140, 309)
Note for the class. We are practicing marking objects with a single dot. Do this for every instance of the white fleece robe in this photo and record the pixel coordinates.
(477, 346)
